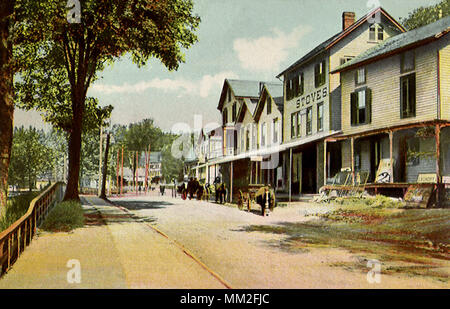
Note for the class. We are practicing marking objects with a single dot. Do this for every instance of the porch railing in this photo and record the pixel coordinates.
(18, 236)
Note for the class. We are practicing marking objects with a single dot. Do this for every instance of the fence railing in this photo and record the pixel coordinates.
(18, 236)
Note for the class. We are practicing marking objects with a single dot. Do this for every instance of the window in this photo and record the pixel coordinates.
(275, 130)
(229, 95)
(376, 32)
(372, 32)
(225, 116)
(269, 105)
(413, 158)
(319, 74)
(296, 129)
(247, 139)
(308, 120)
(320, 117)
(293, 125)
(360, 102)
(233, 115)
(242, 139)
(254, 135)
(263, 134)
(299, 87)
(407, 61)
(380, 33)
(360, 76)
(346, 59)
(295, 86)
(290, 89)
(408, 95)
(299, 124)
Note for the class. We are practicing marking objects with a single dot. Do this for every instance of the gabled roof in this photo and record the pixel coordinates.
(399, 43)
(250, 105)
(339, 36)
(275, 91)
(240, 88)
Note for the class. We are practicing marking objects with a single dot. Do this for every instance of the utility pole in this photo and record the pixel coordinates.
(121, 177)
(100, 161)
(105, 167)
(117, 171)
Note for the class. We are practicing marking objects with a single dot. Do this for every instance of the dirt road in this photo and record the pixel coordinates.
(216, 235)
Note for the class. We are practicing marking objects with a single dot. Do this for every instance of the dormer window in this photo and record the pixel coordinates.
(376, 32)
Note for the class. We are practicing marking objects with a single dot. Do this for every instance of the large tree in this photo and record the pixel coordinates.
(6, 97)
(425, 15)
(106, 30)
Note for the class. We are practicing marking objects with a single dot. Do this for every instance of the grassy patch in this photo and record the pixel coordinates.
(378, 228)
(17, 207)
(64, 217)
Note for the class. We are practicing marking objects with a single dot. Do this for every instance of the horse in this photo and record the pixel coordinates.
(265, 196)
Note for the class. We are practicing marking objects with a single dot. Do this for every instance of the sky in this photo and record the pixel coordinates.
(238, 39)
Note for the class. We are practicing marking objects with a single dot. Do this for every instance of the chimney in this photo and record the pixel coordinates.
(348, 19)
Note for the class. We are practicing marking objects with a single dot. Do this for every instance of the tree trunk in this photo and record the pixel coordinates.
(75, 150)
(6, 100)
(105, 168)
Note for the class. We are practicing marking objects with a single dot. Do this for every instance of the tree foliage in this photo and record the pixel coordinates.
(76, 52)
(425, 15)
(30, 157)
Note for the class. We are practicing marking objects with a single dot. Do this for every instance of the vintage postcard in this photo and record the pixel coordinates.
(197, 146)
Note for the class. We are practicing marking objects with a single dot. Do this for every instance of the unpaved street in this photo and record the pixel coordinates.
(215, 235)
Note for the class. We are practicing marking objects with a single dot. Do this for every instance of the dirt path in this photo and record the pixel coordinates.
(215, 234)
(114, 250)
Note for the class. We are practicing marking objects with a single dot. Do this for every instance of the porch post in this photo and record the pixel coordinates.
(438, 164)
(325, 162)
(251, 171)
(290, 174)
(231, 183)
(352, 146)
(391, 158)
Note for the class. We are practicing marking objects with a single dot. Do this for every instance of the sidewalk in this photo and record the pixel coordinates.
(114, 249)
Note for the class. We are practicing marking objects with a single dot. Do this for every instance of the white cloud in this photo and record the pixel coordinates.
(266, 53)
(202, 87)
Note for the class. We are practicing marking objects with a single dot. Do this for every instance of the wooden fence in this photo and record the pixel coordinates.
(18, 236)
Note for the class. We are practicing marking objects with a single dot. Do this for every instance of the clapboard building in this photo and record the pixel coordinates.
(396, 109)
(312, 98)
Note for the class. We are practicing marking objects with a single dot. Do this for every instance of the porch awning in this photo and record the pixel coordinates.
(272, 149)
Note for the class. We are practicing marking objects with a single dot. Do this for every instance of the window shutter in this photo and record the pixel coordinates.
(412, 94)
(368, 105)
(302, 85)
(316, 75)
(353, 107)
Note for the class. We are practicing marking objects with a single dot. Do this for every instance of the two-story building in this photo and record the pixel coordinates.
(251, 115)
(312, 98)
(396, 109)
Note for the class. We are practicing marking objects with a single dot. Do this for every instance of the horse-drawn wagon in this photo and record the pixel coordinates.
(262, 195)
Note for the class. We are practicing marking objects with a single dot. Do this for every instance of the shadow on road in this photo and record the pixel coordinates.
(97, 219)
(139, 205)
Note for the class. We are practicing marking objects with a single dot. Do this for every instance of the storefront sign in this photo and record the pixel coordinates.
(427, 178)
(256, 158)
(384, 171)
(312, 97)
